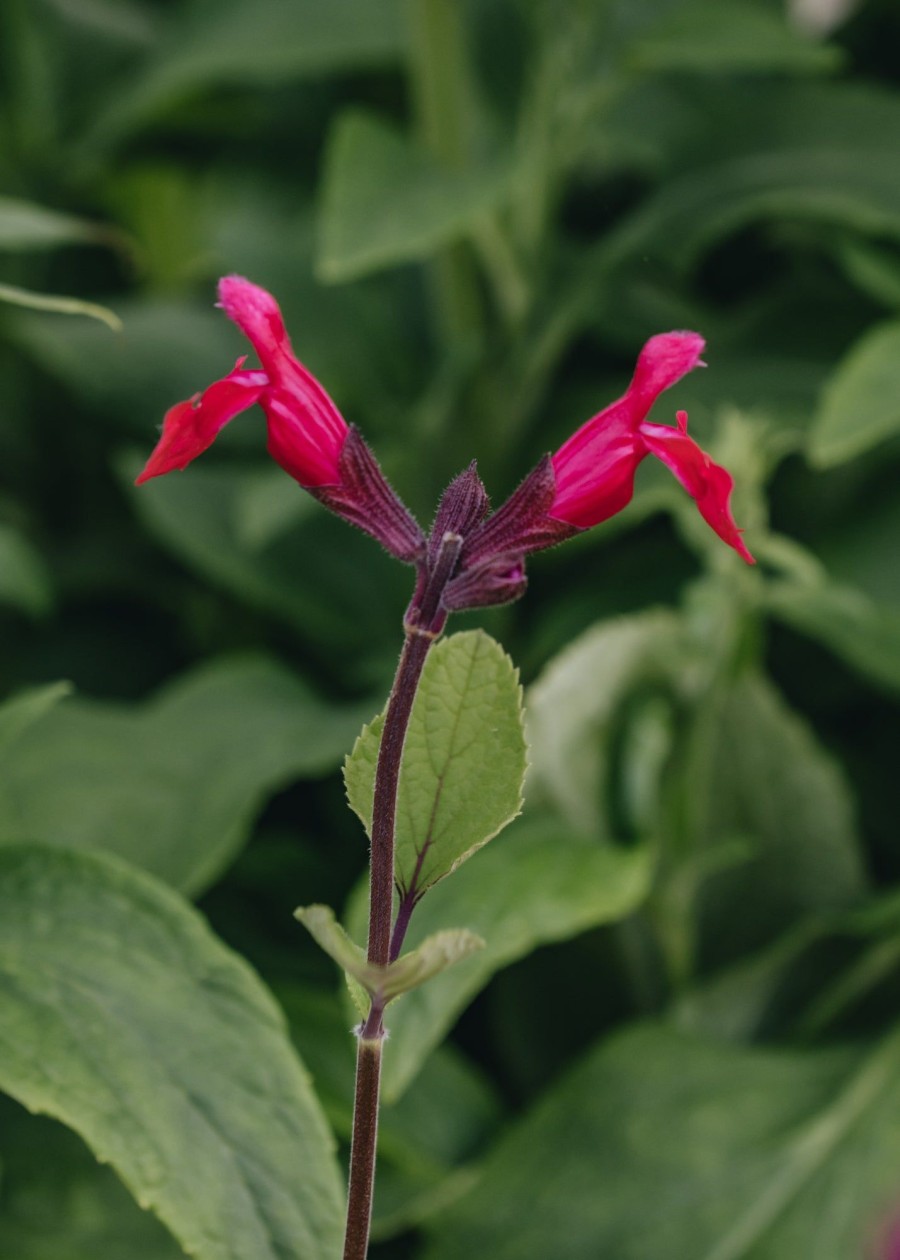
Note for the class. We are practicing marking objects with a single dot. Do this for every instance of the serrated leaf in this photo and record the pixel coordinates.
(172, 785)
(385, 201)
(535, 884)
(463, 761)
(860, 405)
(124, 1017)
(698, 1148)
(433, 956)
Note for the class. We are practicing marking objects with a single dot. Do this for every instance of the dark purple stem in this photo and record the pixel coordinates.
(381, 904)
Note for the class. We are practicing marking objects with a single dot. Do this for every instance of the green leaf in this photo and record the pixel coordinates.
(463, 760)
(666, 1144)
(173, 785)
(574, 705)
(789, 151)
(407, 972)
(24, 579)
(17, 714)
(301, 565)
(726, 36)
(855, 627)
(769, 782)
(537, 883)
(860, 405)
(269, 43)
(24, 226)
(124, 1017)
(59, 1203)
(385, 201)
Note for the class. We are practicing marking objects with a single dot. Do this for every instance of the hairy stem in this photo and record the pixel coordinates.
(381, 904)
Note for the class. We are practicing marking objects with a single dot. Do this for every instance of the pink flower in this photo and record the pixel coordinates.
(595, 468)
(306, 431)
(307, 435)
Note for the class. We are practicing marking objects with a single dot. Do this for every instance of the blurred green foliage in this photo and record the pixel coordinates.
(681, 1034)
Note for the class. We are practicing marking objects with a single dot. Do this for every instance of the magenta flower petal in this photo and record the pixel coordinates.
(595, 468)
(306, 430)
(190, 427)
(709, 484)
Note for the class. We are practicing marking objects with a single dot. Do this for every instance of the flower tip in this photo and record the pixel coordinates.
(243, 301)
(665, 359)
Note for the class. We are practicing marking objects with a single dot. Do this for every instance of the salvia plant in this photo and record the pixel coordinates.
(441, 771)
(658, 1012)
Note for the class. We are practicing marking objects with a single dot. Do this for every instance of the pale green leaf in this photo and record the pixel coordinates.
(385, 983)
(385, 201)
(722, 36)
(24, 226)
(328, 934)
(463, 760)
(573, 706)
(860, 405)
(173, 785)
(124, 1017)
(663, 1144)
(537, 883)
(434, 955)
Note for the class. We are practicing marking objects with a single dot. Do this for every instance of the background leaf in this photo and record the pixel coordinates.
(184, 1080)
(859, 408)
(174, 786)
(693, 1147)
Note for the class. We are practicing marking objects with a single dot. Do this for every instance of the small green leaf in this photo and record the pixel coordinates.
(172, 785)
(385, 201)
(434, 955)
(860, 405)
(328, 934)
(535, 884)
(662, 1144)
(463, 761)
(124, 1017)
